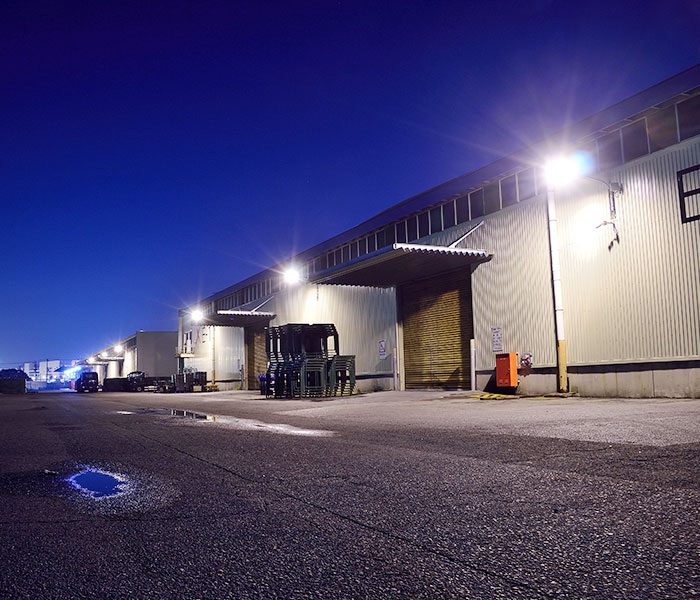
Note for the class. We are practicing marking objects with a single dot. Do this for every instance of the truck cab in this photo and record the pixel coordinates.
(87, 382)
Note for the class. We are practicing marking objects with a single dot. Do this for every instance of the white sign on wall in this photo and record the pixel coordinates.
(381, 349)
(496, 339)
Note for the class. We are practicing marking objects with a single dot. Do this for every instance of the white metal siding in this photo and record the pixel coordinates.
(640, 299)
(114, 368)
(362, 315)
(229, 353)
(513, 290)
(129, 361)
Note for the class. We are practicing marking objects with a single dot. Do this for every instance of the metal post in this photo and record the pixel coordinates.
(400, 370)
(472, 363)
(213, 354)
(562, 375)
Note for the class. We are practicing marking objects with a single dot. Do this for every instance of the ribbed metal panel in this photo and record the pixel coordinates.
(513, 290)
(129, 361)
(114, 369)
(362, 315)
(229, 353)
(437, 325)
(638, 300)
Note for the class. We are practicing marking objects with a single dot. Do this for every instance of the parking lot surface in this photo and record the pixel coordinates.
(387, 495)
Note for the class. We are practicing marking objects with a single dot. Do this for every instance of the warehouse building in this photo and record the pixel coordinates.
(153, 352)
(581, 254)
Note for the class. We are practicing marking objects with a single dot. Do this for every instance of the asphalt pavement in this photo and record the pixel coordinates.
(388, 495)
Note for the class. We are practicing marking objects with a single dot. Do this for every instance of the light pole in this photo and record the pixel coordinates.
(555, 266)
(559, 172)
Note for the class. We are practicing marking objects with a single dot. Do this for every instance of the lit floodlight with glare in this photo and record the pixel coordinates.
(197, 315)
(291, 275)
(91, 359)
(118, 349)
(562, 170)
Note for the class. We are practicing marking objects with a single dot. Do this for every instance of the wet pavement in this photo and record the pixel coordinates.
(417, 495)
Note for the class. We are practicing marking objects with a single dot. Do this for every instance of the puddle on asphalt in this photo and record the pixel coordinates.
(98, 484)
(188, 414)
(250, 424)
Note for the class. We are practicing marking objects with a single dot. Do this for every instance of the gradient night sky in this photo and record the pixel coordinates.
(154, 154)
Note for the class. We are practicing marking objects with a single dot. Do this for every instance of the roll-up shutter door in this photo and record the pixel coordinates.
(437, 327)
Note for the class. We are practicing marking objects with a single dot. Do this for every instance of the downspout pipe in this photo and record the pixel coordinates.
(562, 373)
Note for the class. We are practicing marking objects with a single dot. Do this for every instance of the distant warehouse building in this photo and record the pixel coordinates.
(582, 252)
(153, 352)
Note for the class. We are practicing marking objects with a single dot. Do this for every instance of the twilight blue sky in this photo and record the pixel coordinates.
(154, 153)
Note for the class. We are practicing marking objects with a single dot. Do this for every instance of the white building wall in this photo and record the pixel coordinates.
(636, 303)
(230, 353)
(362, 315)
(129, 361)
(114, 368)
(201, 348)
(640, 299)
(156, 352)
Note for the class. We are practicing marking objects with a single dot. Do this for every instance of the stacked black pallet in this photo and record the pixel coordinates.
(303, 362)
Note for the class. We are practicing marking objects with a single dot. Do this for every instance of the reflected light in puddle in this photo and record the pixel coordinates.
(251, 424)
(98, 484)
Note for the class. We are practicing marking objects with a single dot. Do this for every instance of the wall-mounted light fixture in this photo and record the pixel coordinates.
(292, 275)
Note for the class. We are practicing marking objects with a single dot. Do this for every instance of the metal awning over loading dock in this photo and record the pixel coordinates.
(242, 318)
(434, 307)
(401, 263)
(238, 318)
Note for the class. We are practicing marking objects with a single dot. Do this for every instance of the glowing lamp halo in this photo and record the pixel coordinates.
(559, 171)
(291, 275)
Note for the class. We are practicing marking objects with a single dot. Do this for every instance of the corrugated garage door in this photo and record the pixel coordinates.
(256, 357)
(437, 327)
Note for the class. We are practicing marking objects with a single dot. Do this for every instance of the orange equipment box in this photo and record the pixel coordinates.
(507, 370)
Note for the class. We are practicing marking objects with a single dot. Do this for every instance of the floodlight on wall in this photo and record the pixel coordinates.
(118, 349)
(91, 359)
(291, 275)
(562, 170)
(197, 315)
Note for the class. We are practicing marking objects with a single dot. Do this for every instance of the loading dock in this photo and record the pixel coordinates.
(436, 315)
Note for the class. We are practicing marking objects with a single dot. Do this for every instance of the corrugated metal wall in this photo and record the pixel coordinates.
(201, 348)
(640, 299)
(362, 315)
(636, 301)
(229, 353)
(513, 290)
(129, 361)
(114, 369)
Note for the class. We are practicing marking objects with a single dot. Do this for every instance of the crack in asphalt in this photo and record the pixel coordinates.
(390, 534)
